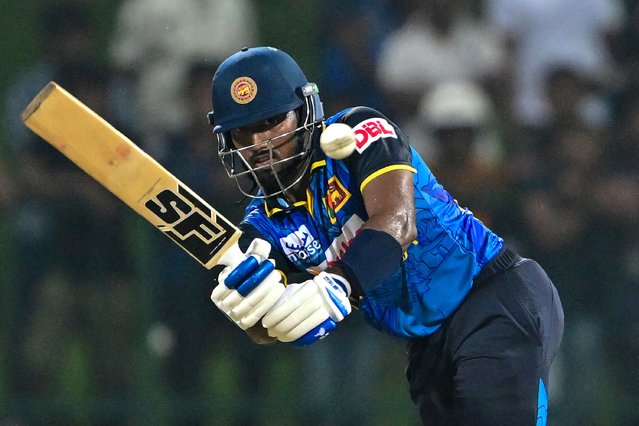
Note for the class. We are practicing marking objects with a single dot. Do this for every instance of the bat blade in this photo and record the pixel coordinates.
(132, 175)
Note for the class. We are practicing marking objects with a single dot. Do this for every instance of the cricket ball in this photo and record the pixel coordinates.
(338, 141)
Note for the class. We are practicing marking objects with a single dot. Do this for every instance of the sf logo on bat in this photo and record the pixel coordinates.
(190, 223)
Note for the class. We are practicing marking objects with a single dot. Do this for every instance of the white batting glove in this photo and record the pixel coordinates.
(308, 311)
(249, 289)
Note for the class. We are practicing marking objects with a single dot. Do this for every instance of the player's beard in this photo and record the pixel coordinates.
(281, 177)
(288, 174)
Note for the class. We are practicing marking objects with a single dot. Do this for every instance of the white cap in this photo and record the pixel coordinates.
(455, 104)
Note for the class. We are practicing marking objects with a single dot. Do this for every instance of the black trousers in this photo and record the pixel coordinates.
(489, 363)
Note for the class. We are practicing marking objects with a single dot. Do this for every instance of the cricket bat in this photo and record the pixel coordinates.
(133, 176)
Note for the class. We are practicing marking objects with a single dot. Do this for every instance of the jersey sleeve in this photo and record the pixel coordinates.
(381, 146)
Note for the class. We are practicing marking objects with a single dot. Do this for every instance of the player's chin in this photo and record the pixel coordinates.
(286, 176)
(267, 180)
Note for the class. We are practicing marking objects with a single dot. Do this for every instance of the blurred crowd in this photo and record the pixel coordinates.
(526, 110)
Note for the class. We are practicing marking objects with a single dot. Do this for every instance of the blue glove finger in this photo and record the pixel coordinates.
(315, 334)
(255, 278)
(241, 272)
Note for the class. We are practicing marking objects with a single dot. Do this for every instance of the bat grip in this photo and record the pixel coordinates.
(233, 256)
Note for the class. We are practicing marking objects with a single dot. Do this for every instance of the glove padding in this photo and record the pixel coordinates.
(308, 311)
(249, 289)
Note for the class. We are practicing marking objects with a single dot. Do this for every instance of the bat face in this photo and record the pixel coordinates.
(189, 222)
(132, 175)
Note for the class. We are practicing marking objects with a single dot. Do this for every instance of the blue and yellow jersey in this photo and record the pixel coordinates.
(438, 270)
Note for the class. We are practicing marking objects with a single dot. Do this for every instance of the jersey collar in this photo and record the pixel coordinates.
(274, 205)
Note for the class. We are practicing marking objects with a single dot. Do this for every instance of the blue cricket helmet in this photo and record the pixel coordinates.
(255, 84)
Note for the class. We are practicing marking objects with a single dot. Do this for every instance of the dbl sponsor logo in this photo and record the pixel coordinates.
(368, 131)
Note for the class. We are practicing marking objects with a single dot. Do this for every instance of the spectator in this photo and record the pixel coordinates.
(438, 42)
(569, 107)
(541, 34)
(557, 216)
(569, 100)
(154, 43)
(354, 32)
(456, 131)
(67, 35)
(74, 269)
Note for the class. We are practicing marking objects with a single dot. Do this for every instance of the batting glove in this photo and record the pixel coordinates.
(249, 289)
(308, 311)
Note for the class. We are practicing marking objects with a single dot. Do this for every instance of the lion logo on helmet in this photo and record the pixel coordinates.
(243, 90)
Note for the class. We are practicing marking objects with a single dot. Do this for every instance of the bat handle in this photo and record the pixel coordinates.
(232, 256)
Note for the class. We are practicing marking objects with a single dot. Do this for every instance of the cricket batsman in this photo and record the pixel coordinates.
(358, 219)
